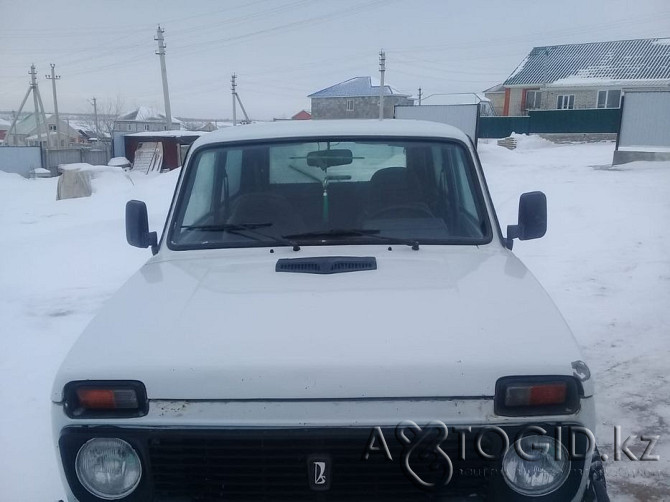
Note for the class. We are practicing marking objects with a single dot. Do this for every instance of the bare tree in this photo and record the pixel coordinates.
(108, 111)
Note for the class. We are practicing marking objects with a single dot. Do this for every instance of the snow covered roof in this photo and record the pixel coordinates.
(642, 61)
(354, 88)
(26, 125)
(495, 88)
(168, 134)
(4, 124)
(285, 129)
(145, 114)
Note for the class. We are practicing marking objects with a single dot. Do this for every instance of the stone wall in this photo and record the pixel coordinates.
(364, 107)
(586, 137)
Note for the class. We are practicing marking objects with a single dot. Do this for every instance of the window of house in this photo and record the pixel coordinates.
(52, 127)
(609, 99)
(130, 127)
(565, 102)
(146, 127)
(350, 105)
(533, 100)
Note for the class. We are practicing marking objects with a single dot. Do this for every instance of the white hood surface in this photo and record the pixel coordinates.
(222, 324)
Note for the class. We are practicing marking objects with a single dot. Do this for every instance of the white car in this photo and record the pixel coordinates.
(331, 313)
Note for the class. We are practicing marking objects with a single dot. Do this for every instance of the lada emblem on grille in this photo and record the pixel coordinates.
(318, 467)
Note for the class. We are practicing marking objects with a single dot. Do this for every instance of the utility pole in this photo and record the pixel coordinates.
(39, 108)
(33, 86)
(166, 93)
(232, 88)
(419, 96)
(94, 102)
(53, 77)
(382, 69)
(237, 100)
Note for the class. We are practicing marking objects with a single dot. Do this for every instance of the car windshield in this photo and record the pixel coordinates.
(330, 192)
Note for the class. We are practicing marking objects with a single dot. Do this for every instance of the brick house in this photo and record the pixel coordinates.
(356, 98)
(591, 75)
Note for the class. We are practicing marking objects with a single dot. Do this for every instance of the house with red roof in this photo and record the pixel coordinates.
(583, 76)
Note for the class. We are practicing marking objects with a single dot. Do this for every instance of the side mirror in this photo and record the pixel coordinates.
(532, 218)
(137, 226)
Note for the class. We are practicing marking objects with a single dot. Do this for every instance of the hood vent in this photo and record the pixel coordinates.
(326, 264)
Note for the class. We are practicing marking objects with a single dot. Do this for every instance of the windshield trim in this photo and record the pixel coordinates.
(189, 170)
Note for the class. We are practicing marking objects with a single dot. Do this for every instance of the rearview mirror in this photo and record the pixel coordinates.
(532, 218)
(329, 158)
(137, 226)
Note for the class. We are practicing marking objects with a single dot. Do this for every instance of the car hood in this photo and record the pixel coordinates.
(223, 324)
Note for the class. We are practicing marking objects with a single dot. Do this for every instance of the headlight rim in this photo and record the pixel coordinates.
(553, 487)
(86, 484)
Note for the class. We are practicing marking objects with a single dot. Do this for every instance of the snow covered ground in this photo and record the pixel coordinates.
(605, 260)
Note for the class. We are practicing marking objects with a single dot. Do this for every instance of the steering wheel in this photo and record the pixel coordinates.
(402, 211)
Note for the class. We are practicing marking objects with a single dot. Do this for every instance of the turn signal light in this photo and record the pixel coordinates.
(535, 395)
(517, 396)
(105, 399)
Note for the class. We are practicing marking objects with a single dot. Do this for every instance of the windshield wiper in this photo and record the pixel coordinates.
(354, 232)
(241, 228)
(227, 227)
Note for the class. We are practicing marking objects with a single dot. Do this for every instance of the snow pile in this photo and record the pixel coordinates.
(60, 261)
(531, 142)
(119, 162)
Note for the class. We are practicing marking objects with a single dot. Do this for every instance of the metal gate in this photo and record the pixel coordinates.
(54, 158)
(20, 159)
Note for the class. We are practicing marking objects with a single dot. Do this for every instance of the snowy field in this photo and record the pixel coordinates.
(605, 260)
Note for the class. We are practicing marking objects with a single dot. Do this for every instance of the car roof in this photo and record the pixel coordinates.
(334, 128)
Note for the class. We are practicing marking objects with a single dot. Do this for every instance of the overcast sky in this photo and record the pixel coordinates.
(283, 50)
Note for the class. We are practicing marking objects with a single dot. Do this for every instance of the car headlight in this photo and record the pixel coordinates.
(535, 465)
(109, 468)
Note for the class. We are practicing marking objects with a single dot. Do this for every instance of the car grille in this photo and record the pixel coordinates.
(272, 465)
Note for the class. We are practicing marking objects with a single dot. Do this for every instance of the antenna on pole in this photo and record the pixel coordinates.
(382, 69)
(53, 77)
(166, 93)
